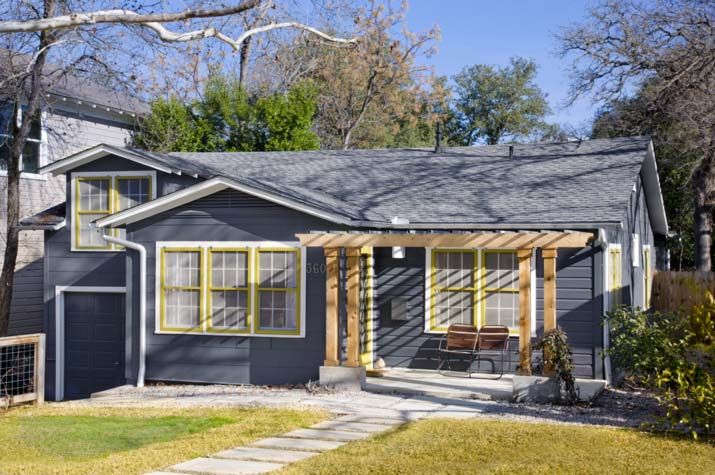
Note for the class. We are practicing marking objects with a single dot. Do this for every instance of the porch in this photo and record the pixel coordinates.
(348, 353)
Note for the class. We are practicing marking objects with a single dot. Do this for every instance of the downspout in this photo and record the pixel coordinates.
(142, 301)
(603, 244)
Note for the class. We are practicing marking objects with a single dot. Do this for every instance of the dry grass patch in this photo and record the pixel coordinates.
(442, 446)
(80, 440)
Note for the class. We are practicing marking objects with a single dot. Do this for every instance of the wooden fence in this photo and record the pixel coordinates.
(22, 369)
(673, 291)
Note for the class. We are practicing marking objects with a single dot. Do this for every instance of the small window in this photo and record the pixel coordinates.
(92, 202)
(501, 289)
(453, 288)
(31, 153)
(181, 289)
(228, 290)
(277, 291)
(131, 191)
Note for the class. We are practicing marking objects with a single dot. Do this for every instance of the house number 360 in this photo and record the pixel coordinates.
(315, 269)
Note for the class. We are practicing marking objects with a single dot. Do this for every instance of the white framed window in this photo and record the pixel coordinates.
(248, 288)
(33, 154)
(98, 194)
(615, 279)
(501, 289)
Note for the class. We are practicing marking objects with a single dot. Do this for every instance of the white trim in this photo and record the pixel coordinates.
(209, 187)
(532, 293)
(94, 153)
(428, 291)
(252, 245)
(113, 175)
(60, 328)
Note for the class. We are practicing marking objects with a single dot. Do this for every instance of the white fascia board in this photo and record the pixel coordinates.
(201, 190)
(91, 154)
(653, 193)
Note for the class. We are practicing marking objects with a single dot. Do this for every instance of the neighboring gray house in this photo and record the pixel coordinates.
(270, 268)
(78, 114)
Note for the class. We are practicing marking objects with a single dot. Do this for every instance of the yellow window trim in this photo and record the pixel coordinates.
(257, 288)
(210, 288)
(163, 287)
(366, 358)
(112, 202)
(615, 282)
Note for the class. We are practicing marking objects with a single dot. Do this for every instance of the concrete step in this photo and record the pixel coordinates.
(351, 426)
(298, 444)
(318, 434)
(215, 466)
(376, 420)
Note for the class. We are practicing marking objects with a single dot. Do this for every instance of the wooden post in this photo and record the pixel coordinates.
(524, 256)
(332, 357)
(40, 369)
(549, 256)
(353, 324)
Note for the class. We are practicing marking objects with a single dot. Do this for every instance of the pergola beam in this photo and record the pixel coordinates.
(484, 240)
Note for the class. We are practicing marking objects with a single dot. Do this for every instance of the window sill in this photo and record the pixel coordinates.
(228, 334)
(27, 176)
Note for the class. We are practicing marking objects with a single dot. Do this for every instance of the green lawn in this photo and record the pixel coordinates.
(444, 446)
(63, 440)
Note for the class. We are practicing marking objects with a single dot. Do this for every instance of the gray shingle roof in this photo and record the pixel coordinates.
(550, 184)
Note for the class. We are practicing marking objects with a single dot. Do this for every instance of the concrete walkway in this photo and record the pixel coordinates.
(273, 453)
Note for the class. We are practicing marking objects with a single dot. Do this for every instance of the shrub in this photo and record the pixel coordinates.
(557, 358)
(675, 355)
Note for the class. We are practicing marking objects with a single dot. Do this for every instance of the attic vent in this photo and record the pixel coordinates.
(231, 199)
(511, 151)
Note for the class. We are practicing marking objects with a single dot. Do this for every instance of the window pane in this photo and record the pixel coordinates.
(31, 157)
(36, 128)
(501, 270)
(229, 309)
(277, 269)
(88, 235)
(502, 308)
(182, 308)
(277, 310)
(5, 120)
(454, 269)
(454, 307)
(132, 192)
(4, 153)
(182, 269)
(93, 195)
(229, 269)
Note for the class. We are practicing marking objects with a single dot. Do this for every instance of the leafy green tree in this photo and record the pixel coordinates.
(493, 104)
(172, 127)
(287, 119)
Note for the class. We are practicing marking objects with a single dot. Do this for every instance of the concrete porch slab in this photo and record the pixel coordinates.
(414, 382)
(225, 467)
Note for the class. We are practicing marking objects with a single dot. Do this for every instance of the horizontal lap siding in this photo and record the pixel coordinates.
(405, 344)
(233, 216)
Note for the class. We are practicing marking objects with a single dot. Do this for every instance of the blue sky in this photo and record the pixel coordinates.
(492, 31)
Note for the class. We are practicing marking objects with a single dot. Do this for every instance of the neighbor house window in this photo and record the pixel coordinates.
(219, 290)
(181, 289)
(614, 282)
(277, 291)
(98, 196)
(454, 288)
(647, 277)
(501, 289)
(229, 293)
(30, 159)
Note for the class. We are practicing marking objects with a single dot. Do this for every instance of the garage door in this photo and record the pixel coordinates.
(94, 343)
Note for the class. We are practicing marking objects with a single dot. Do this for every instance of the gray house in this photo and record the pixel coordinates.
(270, 268)
(70, 121)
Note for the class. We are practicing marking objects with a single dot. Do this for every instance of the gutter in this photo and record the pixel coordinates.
(602, 243)
(142, 301)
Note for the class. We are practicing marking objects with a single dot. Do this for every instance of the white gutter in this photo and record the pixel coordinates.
(142, 301)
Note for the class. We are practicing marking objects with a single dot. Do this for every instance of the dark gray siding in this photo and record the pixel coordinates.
(94, 269)
(405, 344)
(234, 216)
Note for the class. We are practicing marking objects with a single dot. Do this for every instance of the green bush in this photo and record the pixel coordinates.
(673, 353)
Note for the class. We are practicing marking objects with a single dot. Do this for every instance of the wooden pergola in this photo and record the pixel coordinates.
(524, 242)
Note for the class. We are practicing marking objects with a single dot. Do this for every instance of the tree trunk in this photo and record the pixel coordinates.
(703, 229)
(243, 65)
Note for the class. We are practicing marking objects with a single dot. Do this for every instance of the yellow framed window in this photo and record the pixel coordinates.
(97, 196)
(181, 289)
(454, 288)
(615, 270)
(228, 291)
(277, 291)
(647, 277)
(93, 201)
(501, 289)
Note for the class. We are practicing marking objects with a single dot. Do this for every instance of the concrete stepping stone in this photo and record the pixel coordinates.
(365, 419)
(163, 473)
(298, 444)
(326, 435)
(264, 455)
(225, 467)
(351, 426)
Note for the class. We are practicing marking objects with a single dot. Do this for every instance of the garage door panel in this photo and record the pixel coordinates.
(94, 343)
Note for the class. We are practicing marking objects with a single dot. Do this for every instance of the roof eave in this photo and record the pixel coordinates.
(42, 227)
(98, 151)
(653, 193)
